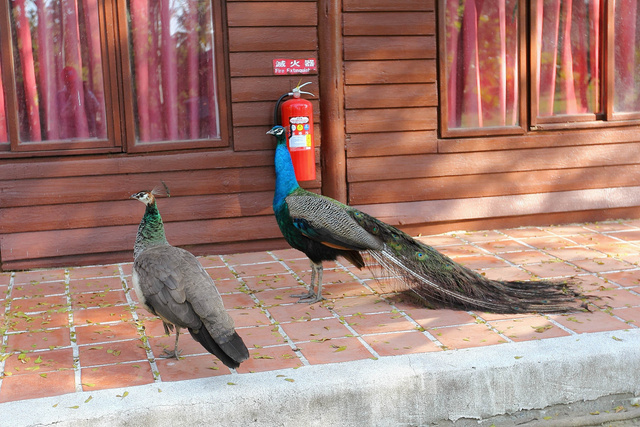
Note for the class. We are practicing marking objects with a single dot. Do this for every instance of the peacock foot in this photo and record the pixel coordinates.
(311, 299)
(171, 354)
(309, 294)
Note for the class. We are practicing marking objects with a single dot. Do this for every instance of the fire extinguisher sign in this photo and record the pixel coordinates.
(294, 66)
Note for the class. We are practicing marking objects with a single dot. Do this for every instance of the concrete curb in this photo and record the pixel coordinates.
(417, 389)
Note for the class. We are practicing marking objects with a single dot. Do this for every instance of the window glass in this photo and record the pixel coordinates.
(569, 69)
(58, 69)
(482, 63)
(4, 133)
(172, 50)
(627, 56)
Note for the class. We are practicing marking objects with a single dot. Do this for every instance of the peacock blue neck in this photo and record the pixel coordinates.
(150, 231)
(285, 176)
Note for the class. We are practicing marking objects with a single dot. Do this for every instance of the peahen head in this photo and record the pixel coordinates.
(151, 228)
(145, 197)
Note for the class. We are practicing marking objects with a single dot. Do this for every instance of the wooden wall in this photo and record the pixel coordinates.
(65, 211)
(433, 185)
(74, 210)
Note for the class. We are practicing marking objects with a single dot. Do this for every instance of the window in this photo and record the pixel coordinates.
(173, 60)
(510, 66)
(74, 81)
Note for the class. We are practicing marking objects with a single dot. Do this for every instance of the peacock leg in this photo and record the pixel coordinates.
(310, 286)
(317, 269)
(175, 354)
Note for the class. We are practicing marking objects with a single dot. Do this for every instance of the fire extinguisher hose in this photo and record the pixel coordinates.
(276, 112)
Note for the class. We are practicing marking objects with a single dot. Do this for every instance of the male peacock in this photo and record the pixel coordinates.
(171, 283)
(324, 229)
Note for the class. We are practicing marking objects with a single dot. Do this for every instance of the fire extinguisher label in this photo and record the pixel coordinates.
(300, 138)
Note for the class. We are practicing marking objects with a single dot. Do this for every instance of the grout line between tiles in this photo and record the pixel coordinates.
(77, 369)
(332, 311)
(4, 337)
(423, 330)
(491, 327)
(144, 338)
(255, 299)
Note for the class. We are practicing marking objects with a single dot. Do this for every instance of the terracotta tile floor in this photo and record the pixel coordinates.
(80, 329)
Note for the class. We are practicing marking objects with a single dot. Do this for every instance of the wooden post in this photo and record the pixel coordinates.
(331, 78)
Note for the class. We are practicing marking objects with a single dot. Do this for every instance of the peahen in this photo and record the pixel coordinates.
(171, 283)
(324, 229)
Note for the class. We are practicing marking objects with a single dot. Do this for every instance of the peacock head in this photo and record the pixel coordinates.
(279, 132)
(145, 197)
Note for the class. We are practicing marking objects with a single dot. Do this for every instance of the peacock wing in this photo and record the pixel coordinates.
(160, 286)
(329, 222)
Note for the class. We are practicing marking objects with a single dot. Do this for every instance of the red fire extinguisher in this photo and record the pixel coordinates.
(297, 117)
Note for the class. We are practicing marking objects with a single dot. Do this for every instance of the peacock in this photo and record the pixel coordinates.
(173, 285)
(324, 229)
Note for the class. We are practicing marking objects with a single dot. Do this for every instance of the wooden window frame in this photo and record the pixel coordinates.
(528, 74)
(222, 77)
(520, 129)
(118, 94)
(18, 148)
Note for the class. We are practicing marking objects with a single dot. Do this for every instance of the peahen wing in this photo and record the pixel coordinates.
(178, 289)
(329, 222)
(156, 277)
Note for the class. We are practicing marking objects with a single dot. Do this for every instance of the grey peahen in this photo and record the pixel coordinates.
(324, 229)
(172, 284)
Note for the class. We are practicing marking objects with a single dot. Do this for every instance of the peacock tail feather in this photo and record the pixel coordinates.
(431, 277)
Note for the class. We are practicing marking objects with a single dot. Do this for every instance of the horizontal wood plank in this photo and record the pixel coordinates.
(256, 138)
(46, 244)
(127, 212)
(487, 185)
(256, 64)
(504, 206)
(273, 13)
(545, 219)
(541, 139)
(261, 113)
(432, 165)
(249, 39)
(389, 24)
(127, 256)
(391, 120)
(391, 96)
(128, 164)
(391, 143)
(388, 72)
(119, 187)
(247, 89)
(388, 5)
(359, 48)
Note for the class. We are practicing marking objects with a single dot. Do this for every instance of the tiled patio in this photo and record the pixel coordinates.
(80, 329)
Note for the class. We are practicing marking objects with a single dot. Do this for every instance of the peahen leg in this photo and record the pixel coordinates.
(310, 286)
(175, 354)
(317, 272)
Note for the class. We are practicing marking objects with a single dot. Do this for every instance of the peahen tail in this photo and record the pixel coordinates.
(434, 278)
